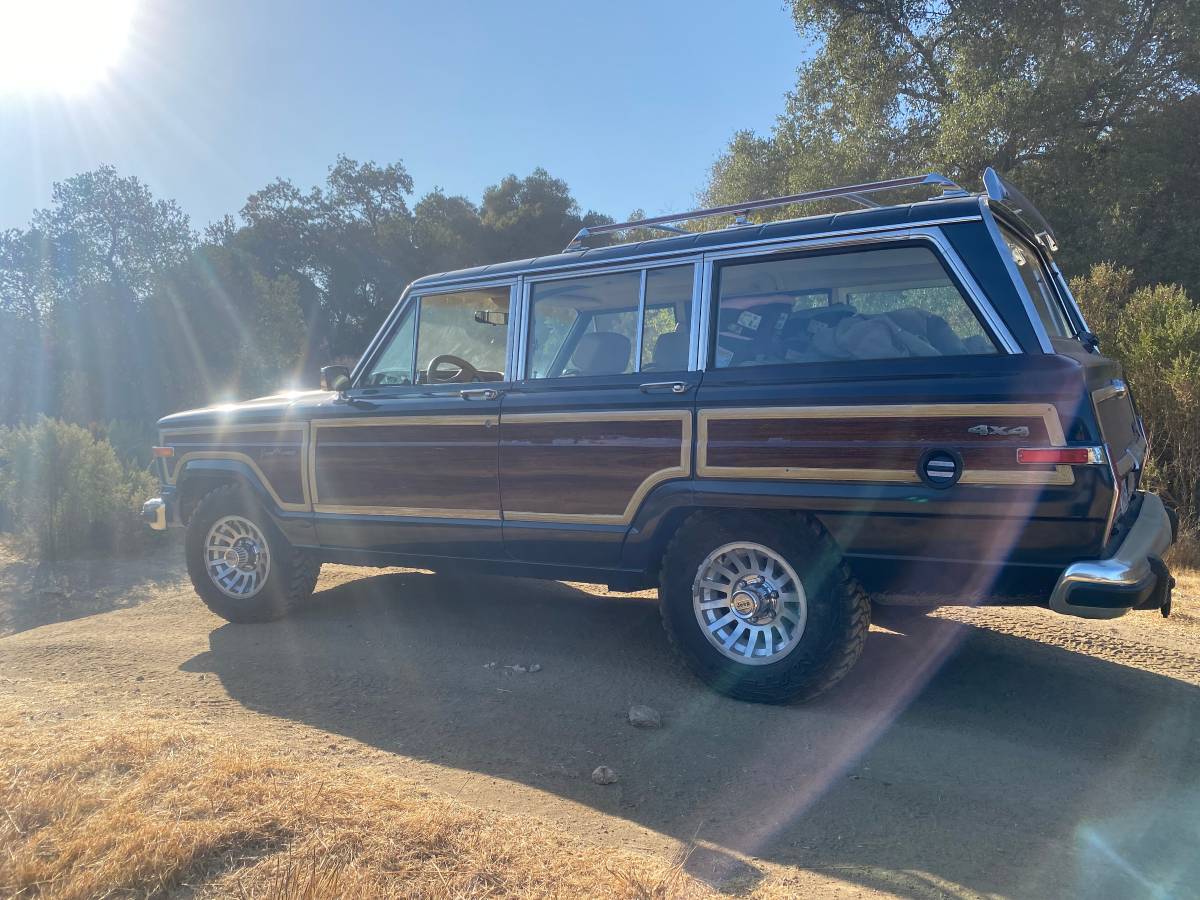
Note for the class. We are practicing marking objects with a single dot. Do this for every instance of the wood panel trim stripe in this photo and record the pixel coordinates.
(1062, 475)
(302, 429)
(683, 470)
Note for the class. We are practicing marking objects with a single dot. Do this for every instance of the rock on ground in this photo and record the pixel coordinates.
(644, 716)
(604, 775)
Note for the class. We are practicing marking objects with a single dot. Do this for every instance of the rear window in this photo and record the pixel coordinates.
(1037, 282)
(885, 303)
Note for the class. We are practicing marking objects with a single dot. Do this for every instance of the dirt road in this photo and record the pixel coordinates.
(979, 752)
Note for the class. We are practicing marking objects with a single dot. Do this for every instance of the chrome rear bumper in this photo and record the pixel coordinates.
(1133, 577)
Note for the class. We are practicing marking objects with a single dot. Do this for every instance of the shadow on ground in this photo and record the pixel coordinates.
(33, 594)
(954, 759)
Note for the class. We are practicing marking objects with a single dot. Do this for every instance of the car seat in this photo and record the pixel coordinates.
(670, 351)
(600, 353)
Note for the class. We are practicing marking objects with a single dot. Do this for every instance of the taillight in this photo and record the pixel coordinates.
(162, 452)
(1060, 456)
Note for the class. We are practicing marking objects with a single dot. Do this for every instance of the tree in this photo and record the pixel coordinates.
(222, 328)
(532, 216)
(1091, 106)
(110, 310)
(347, 244)
(102, 228)
(1155, 332)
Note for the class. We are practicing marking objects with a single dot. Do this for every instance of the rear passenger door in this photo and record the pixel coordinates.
(602, 413)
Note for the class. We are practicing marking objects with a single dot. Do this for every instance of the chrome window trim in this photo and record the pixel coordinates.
(665, 257)
(411, 296)
(528, 281)
(695, 327)
(641, 320)
(1035, 320)
(700, 340)
(932, 236)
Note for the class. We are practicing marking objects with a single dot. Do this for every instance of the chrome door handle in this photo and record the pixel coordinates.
(675, 387)
(480, 394)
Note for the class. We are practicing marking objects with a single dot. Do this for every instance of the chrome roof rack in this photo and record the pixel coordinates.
(856, 193)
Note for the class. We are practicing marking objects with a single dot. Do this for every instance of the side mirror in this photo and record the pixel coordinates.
(335, 378)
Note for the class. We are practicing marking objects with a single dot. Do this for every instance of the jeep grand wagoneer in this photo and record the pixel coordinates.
(775, 424)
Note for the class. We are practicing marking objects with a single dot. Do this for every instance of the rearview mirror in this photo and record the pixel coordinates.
(335, 378)
(491, 317)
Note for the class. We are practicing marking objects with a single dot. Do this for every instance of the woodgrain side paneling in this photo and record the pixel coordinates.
(407, 466)
(276, 453)
(875, 443)
(593, 467)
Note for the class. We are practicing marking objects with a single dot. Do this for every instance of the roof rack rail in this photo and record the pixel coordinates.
(854, 192)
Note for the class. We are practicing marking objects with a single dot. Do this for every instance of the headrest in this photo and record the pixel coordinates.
(601, 353)
(671, 350)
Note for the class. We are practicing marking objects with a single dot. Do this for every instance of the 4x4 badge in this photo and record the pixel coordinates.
(1000, 430)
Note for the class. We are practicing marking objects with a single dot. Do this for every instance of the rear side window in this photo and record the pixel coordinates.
(886, 303)
(1037, 282)
(594, 325)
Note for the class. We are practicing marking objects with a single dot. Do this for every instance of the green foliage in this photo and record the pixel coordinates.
(1155, 332)
(102, 228)
(1092, 107)
(111, 310)
(67, 491)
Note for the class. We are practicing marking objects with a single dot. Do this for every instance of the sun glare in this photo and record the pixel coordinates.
(60, 46)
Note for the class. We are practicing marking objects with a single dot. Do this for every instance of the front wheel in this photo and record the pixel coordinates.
(242, 567)
(762, 607)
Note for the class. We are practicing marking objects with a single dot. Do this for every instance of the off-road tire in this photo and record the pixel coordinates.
(839, 612)
(293, 574)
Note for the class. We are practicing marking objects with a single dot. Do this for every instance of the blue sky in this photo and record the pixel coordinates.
(629, 102)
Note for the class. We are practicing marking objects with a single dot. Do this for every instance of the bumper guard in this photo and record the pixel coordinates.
(1132, 578)
(154, 513)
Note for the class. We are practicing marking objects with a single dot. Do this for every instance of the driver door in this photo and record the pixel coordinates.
(406, 462)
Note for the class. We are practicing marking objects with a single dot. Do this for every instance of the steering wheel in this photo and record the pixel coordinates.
(466, 372)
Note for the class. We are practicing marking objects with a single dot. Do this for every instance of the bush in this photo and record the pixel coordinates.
(1155, 333)
(68, 492)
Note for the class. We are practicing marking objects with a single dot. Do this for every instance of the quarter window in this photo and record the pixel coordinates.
(885, 303)
(394, 366)
(594, 325)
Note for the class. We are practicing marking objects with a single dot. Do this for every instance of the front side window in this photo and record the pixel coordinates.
(592, 325)
(1037, 283)
(886, 303)
(459, 337)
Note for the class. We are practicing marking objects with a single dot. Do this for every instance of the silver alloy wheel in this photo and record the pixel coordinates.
(237, 557)
(750, 603)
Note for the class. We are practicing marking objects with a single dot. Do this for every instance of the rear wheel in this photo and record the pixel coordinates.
(242, 567)
(762, 607)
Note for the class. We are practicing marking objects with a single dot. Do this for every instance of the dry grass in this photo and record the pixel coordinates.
(1185, 553)
(144, 808)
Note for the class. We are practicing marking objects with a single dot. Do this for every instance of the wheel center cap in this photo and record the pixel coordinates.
(754, 599)
(744, 603)
(241, 555)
